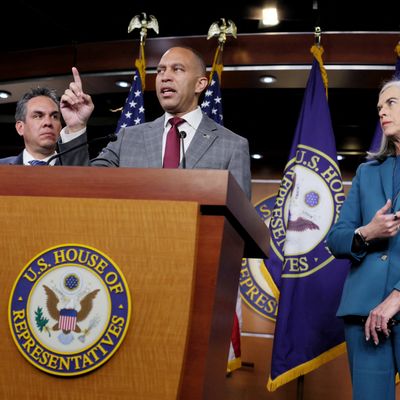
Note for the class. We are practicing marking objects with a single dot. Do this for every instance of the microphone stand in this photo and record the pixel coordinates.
(182, 135)
(111, 137)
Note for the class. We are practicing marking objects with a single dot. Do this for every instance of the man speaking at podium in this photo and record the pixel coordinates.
(183, 137)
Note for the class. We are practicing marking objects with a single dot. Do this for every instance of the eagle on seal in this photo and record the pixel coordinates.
(68, 316)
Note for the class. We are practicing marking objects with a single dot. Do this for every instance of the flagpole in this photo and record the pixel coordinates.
(212, 107)
(300, 379)
(133, 111)
(300, 387)
(143, 23)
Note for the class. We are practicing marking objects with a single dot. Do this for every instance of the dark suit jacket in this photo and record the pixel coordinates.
(71, 158)
(12, 160)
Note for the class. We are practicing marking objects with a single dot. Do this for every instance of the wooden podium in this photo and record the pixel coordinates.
(178, 237)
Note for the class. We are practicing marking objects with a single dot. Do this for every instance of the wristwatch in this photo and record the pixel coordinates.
(359, 237)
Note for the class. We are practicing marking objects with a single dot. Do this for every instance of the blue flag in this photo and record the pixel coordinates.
(376, 140)
(133, 111)
(212, 103)
(308, 278)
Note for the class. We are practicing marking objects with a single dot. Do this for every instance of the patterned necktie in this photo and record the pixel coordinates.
(172, 145)
(37, 162)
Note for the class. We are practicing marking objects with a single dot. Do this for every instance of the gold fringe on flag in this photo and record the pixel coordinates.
(218, 65)
(307, 367)
(397, 49)
(317, 51)
(140, 64)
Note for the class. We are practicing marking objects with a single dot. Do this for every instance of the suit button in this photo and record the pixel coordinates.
(384, 257)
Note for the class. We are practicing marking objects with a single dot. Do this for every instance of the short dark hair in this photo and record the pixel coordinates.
(197, 55)
(20, 112)
(199, 58)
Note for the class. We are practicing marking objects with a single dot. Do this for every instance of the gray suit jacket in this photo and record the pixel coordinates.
(212, 147)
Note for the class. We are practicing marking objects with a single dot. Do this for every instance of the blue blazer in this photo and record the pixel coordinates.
(374, 273)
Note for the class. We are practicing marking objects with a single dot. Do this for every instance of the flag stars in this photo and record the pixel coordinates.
(212, 103)
(134, 111)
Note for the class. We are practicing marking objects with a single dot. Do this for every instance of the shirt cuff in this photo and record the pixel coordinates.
(67, 137)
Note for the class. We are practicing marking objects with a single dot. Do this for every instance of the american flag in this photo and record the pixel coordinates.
(212, 103)
(133, 111)
(212, 106)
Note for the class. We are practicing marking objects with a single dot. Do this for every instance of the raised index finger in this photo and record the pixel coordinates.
(77, 77)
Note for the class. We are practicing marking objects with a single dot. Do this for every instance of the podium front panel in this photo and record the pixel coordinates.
(153, 243)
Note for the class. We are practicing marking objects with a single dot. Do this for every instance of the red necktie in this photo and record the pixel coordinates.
(172, 145)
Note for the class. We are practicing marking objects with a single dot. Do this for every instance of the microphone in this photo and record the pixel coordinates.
(112, 137)
(182, 135)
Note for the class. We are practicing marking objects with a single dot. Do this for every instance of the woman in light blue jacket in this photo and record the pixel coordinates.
(367, 233)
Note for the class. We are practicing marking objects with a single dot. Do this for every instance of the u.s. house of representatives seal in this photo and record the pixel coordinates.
(69, 310)
(254, 286)
(308, 203)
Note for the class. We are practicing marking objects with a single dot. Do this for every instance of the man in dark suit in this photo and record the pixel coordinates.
(38, 122)
(181, 78)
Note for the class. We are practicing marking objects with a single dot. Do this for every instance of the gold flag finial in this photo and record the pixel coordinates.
(222, 30)
(141, 22)
(397, 49)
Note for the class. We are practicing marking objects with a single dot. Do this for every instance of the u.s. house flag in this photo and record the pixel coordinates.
(308, 278)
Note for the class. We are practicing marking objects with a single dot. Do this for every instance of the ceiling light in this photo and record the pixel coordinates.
(122, 84)
(4, 94)
(270, 16)
(256, 156)
(268, 79)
